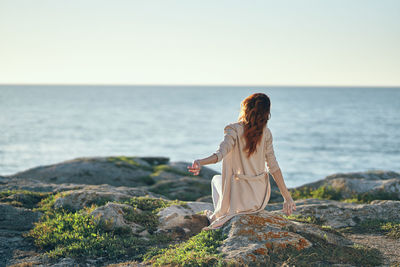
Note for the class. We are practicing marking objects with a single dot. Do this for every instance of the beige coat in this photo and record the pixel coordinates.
(243, 186)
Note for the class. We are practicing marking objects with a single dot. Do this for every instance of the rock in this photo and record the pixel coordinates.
(98, 194)
(165, 175)
(17, 219)
(205, 172)
(340, 214)
(154, 160)
(207, 198)
(256, 238)
(36, 185)
(112, 216)
(372, 182)
(116, 171)
(183, 220)
(185, 188)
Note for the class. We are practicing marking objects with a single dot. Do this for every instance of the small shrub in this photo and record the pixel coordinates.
(199, 250)
(323, 192)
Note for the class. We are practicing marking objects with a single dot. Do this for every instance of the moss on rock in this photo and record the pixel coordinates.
(379, 226)
(330, 193)
(22, 198)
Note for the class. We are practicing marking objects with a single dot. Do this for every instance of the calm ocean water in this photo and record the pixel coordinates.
(317, 131)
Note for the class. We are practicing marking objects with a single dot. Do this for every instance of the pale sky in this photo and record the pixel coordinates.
(203, 42)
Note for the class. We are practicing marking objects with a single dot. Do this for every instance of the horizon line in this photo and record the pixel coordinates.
(196, 85)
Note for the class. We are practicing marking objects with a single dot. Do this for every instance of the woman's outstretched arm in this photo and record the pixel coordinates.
(224, 148)
(195, 168)
(209, 160)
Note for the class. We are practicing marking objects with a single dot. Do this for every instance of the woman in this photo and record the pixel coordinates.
(243, 186)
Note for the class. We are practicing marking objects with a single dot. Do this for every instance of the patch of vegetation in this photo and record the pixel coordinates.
(22, 198)
(306, 219)
(379, 226)
(392, 229)
(199, 250)
(77, 234)
(323, 192)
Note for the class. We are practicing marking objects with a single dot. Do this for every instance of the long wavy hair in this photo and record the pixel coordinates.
(254, 114)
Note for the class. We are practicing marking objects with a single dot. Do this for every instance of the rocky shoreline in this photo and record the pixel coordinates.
(144, 211)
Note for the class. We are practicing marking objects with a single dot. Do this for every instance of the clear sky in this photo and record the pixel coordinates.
(204, 42)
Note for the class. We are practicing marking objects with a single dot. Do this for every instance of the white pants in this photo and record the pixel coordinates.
(216, 188)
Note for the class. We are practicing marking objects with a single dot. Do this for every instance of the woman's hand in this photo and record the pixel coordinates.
(195, 168)
(288, 206)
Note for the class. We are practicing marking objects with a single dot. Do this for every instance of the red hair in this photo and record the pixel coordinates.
(254, 113)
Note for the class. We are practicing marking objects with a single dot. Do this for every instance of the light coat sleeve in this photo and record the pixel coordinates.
(228, 143)
(272, 163)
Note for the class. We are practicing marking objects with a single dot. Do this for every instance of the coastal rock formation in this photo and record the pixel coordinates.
(136, 211)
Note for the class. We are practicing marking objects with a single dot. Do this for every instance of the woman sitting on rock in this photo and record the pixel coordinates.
(243, 186)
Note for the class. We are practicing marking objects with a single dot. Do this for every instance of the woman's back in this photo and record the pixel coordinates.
(233, 149)
(243, 186)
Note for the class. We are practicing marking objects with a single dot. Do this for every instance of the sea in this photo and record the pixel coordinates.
(317, 131)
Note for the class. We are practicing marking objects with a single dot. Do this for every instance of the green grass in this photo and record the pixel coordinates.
(392, 229)
(77, 234)
(199, 250)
